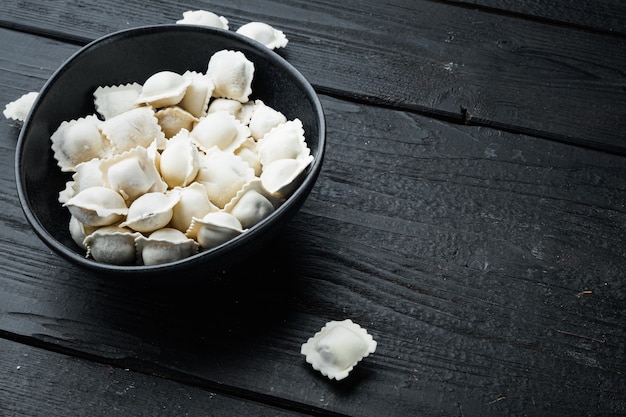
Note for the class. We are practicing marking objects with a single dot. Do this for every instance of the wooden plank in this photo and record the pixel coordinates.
(437, 58)
(22, 72)
(36, 382)
(598, 15)
(461, 249)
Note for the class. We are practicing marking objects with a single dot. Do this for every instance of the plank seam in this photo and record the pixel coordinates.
(530, 17)
(464, 117)
(159, 371)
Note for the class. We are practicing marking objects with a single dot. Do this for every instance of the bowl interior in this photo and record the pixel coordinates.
(132, 56)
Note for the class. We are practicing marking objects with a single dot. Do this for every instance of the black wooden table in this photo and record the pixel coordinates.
(470, 215)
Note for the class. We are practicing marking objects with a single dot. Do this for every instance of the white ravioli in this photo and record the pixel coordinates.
(219, 129)
(164, 245)
(282, 176)
(249, 153)
(150, 212)
(193, 202)
(203, 18)
(198, 94)
(97, 206)
(113, 100)
(337, 348)
(77, 141)
(112, 245)
(180, 160)
(132, 174)
(232, 75)
(215, 228)
(136, 127)
(174, 118)
(251, 204)
(88, 174)
(164, 88)
(264, 33)
(79, 231)
(285, 141)
(264, 118)
(19, 109)
(223, 174)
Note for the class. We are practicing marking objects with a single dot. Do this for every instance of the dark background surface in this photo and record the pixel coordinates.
(470, 214)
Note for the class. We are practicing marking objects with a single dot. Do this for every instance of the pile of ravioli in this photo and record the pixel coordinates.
(179, 164)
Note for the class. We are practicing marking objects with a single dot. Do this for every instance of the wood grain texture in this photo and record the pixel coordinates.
(487, 265)
(467, 64)
(598, 15)
(69, 386)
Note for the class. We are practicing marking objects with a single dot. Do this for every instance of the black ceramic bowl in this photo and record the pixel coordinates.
(132, 56)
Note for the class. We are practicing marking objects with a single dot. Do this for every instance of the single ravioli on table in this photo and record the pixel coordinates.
(337, 348)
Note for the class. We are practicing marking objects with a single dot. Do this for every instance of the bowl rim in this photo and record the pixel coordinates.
(264, 226)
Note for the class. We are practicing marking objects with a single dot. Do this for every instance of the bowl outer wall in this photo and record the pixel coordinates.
(132, 56)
